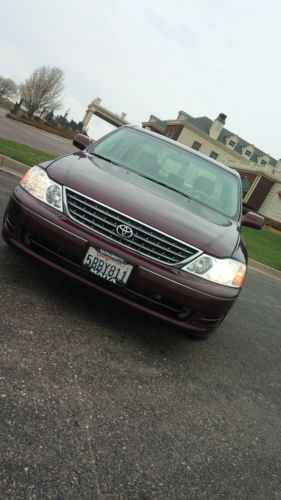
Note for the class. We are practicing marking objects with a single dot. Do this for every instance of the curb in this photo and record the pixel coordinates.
(17, 168)
(13, 167)
(262, 268)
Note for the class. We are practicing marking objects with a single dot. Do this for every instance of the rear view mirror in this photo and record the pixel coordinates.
(82, 141)
(252, 220)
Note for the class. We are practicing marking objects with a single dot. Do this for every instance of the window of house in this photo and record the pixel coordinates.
(214, 155)
(170, 133)
(196, 145)
(232, 143)
(246, 184)
(263, 162)
(248, 152)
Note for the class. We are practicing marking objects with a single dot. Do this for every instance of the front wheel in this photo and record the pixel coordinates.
(198, 336)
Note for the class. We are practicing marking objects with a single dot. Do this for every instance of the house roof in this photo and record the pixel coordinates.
(204, 123)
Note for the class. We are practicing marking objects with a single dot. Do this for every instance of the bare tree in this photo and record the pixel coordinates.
(42, 89)
(8, 87)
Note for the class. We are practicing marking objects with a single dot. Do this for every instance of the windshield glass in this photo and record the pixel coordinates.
(180, 170)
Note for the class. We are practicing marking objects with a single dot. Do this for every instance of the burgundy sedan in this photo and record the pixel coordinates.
(142, 219)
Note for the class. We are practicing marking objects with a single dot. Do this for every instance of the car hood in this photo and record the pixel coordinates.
(148, 202)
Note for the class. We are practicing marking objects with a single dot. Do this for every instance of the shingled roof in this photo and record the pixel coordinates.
(204, 123)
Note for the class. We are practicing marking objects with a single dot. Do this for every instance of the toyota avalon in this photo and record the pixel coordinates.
(142, 219)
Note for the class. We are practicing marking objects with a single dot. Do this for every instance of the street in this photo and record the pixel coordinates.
(98, 401)
(31, 136)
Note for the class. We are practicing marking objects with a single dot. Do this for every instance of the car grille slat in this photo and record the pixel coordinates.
(145, 240)
(76, 209)
(176, 256)
(84, 220)
(83, 203)
(151, 234)
(159, 247)
(150, 252)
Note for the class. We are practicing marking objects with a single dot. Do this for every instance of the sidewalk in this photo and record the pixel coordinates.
(13, 167)
(262, 268)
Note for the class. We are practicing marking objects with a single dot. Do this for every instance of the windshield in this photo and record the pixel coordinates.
(174, 167)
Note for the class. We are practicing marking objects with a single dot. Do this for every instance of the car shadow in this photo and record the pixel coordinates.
(83, 305)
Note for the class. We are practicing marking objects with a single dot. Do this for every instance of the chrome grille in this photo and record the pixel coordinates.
(146, 240)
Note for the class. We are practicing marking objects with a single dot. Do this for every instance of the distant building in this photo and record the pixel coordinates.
(260, 172)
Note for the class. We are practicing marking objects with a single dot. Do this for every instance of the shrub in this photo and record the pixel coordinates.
(67, 134)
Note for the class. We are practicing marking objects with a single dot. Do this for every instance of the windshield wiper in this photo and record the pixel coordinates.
(144, 176)
(165, 185)
(107, 159)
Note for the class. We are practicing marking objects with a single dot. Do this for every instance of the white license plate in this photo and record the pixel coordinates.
(107, 266)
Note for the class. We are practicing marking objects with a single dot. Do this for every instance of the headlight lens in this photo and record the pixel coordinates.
(227, 272)
(37, 183)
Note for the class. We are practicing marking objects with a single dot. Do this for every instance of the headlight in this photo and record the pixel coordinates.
(37, 183)
(227, 272)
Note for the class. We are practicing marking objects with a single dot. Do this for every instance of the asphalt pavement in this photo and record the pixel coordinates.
(98, 401)
(34, 137)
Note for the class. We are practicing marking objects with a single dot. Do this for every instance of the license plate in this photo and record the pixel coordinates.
(107, 266)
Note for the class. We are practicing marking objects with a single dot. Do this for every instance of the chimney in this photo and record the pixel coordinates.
(182, 115)
(221, 118)
(217, 126)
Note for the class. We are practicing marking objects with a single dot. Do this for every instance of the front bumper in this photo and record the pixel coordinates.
(166, 292)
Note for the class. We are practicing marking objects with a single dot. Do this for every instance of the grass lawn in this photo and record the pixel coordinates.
(264, 246)
(22, 153)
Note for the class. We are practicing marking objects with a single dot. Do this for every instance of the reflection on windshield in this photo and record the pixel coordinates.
(172, 167)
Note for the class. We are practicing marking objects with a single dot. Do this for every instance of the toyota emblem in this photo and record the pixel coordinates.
(124, 231)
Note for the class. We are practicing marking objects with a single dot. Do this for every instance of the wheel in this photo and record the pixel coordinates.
(198, 336)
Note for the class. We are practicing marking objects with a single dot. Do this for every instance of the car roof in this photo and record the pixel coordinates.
(182, 146)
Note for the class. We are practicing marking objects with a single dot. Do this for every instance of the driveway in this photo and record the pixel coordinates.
(31, 136)
(101, 402)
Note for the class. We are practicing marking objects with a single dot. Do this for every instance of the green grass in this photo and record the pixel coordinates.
(264, 246)
(22, 153)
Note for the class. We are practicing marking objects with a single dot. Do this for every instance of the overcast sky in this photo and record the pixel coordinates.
(155, 57)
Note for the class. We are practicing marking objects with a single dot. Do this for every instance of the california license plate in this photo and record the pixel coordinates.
(107, 266)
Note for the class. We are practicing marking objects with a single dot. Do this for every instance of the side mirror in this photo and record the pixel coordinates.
(82, 141)
(252, 220)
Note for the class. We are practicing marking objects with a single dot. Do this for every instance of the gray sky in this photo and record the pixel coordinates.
(155, 57)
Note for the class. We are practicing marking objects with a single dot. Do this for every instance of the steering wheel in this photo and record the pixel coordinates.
(202, 196)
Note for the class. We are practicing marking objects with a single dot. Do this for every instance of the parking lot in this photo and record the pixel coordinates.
(100, 401)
